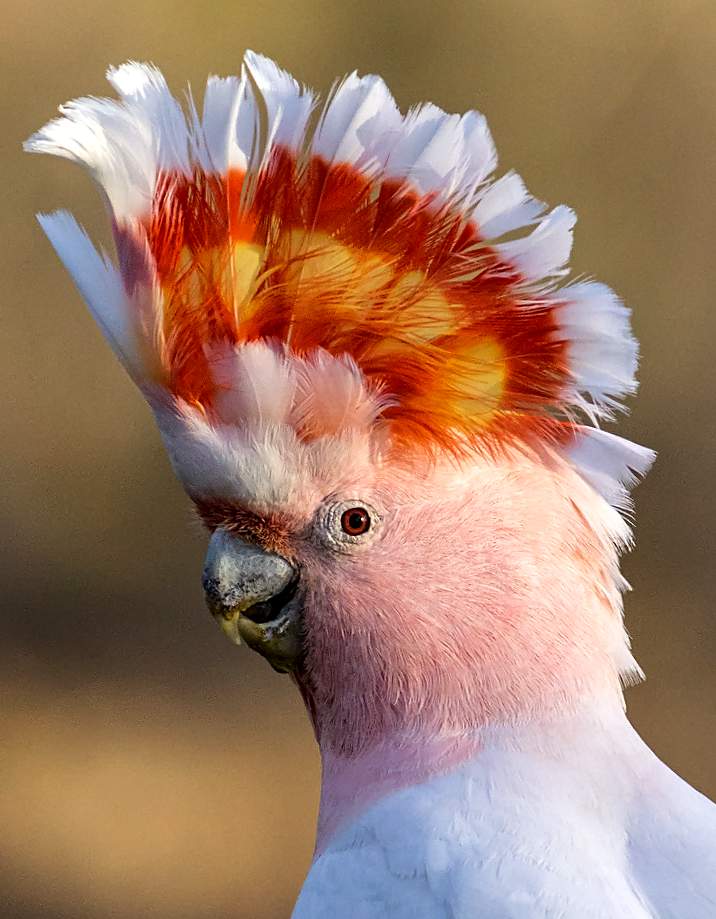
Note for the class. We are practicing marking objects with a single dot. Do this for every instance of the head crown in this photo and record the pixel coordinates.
(348, 265)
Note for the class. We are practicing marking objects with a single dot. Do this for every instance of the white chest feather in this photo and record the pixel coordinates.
(527, 831)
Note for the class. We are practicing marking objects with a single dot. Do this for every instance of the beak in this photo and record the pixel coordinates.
(253, 595)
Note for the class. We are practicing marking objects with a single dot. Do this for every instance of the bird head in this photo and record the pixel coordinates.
(372, 379)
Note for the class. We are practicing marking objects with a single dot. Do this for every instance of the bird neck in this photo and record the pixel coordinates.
(579, 741)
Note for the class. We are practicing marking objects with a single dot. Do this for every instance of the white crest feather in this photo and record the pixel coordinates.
(99, 282)
(449, 155)
(611, 464)
(145, 93)
(447, 158)
(358, 122)
(543, 254)
(506, 205)
(602, 351)
(288, 104)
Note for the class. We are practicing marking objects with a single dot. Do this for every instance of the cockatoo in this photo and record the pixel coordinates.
(382, 396)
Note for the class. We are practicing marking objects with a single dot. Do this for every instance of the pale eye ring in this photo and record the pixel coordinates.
(355, 521)
(348, 525)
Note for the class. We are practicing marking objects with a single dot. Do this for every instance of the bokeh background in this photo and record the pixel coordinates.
(147, 767)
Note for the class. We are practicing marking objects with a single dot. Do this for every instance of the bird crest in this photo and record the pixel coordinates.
(365, 260)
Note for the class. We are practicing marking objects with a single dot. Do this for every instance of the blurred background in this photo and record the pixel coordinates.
(148, 767)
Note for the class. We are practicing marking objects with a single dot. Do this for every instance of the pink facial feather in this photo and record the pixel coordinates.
(355, 310)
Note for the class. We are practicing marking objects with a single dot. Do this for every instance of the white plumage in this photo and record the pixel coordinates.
(571, 820)
(552, 808)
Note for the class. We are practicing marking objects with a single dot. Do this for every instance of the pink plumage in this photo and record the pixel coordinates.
(381, 392)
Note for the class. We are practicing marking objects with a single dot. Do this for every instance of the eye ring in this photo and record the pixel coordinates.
(355, 521)
(347, 525)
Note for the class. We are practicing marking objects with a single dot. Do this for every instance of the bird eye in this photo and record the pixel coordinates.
(349, 525)
(355, 521)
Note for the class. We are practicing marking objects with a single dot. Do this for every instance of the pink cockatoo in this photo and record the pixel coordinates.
(381, 395)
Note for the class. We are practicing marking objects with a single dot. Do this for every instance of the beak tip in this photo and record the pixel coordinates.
(230, 627)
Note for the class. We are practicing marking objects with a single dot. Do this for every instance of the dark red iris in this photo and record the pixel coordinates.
(355, 521)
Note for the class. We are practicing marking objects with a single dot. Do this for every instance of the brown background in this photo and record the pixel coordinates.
(147, 768)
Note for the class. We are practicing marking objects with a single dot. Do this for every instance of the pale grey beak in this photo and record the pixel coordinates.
(253, 595)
